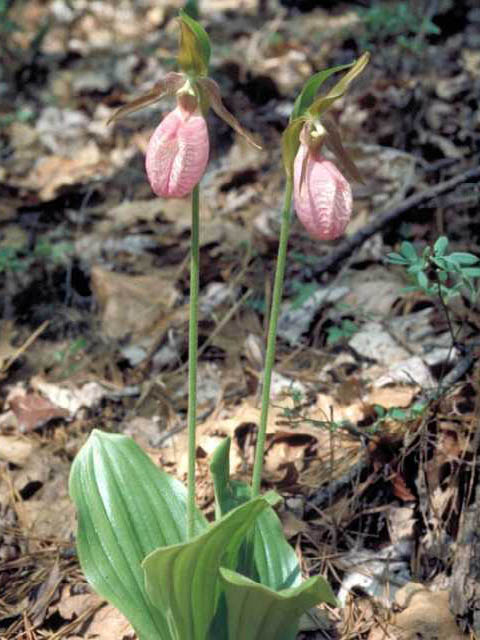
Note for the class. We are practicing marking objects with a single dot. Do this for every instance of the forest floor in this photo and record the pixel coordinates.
(374, 428)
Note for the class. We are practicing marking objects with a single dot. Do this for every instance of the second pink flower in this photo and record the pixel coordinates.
(323, 201)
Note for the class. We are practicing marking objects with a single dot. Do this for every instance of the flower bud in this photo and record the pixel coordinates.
(177, 153)
(322, 196)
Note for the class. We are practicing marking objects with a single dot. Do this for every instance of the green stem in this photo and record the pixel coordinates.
(272, 334)
(192, 361)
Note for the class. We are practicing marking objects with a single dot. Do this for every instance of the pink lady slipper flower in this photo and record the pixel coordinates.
(323, 200)
(177, 153)
(322, 196)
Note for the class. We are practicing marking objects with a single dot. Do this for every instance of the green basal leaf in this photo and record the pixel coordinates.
(396, 258)
(440, 245)
(256, 612)
(126, 508)
(276, 563)
(444, 264)
(408, 251)
(228, 493)
(275, 559)
(290, 144)
(311, 88)
(323, 104)
(416, 267)
(422, 279)
(471, 272)
(194, 54)
(442, 276)
(462, 258)
(398, 414)
(183, 579)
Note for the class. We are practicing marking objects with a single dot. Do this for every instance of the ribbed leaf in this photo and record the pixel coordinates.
(290, 144)
(194, 54)
(275, 560)
(183, 579)
(256, 612)
(323, 104)
(126, 508)
(307, 95)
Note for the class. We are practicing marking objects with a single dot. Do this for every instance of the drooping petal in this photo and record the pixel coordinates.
(323, 200)
(214, 99)
(168, 86)
(177, 154)
(333, 141)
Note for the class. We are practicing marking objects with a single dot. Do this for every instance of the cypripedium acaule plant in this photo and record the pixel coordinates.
(141, 541)
(176, 159)
(322, 199)
(177, 152)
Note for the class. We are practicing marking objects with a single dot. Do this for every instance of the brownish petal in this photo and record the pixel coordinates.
(167, 87)
(212, 90)
(334, 142)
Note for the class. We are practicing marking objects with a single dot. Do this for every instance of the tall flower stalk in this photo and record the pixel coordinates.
(322, 199)
(176, 159)
(272, 335)
(192, 359)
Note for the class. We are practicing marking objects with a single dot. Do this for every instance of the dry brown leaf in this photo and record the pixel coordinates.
(53, 172)
(33, 411)
(389, 397)
(72, 606)
(132, 304)
(427, 614)
(68, 397)
(15, 449)
(48, 520)
(45, 594)
(109, 624)
(400, 489)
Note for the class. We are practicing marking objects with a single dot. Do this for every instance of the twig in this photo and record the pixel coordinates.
(29, 341)
(384, 219)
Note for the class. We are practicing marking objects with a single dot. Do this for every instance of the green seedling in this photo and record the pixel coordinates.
(435, 272)
(398, 20)
(341, 333)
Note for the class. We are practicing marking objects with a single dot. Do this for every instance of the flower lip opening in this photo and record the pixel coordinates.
(187, 103)
(313, 135)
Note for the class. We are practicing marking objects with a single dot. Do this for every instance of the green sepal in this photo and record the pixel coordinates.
(310, 89)
(255, 612)
(323, 104)
(126, 508)
(290, 144)
(194, 54)
(183, 579)
(275, 561)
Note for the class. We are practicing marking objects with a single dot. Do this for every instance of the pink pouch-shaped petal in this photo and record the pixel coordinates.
(324, 201)
(177, 154)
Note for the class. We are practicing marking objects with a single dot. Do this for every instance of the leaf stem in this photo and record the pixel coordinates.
(272, 334)
(192, 361)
